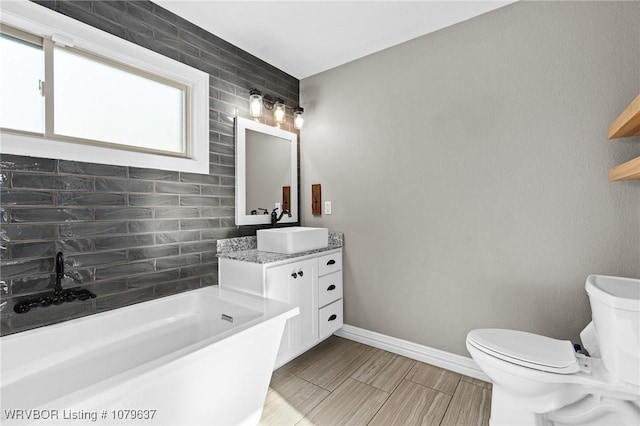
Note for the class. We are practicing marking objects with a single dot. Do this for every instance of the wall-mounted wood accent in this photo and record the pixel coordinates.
(316, 199)
(627, 124)
(286, 198)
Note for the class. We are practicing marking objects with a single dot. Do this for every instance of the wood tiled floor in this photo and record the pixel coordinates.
(341, 382)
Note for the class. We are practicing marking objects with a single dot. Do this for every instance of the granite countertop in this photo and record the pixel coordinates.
(245, 249)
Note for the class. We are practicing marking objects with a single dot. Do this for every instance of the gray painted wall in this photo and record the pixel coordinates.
(468, 171)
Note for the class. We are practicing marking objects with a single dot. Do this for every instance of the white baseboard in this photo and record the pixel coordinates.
(456, 363)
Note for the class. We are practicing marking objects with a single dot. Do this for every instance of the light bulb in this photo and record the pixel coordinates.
(298, 120)
(278, 112)
(255, 103)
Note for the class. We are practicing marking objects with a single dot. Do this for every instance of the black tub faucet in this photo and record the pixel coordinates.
(59, 295)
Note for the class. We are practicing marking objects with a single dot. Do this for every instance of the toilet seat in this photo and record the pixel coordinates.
(526, 349)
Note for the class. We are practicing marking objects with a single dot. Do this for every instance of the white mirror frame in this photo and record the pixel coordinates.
(242, 125)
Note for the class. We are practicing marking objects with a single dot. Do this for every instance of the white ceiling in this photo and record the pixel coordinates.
(306, 37)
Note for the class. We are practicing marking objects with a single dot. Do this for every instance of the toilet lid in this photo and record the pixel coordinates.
(526, 349)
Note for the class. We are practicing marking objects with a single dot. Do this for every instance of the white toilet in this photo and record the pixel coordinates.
(542, 381)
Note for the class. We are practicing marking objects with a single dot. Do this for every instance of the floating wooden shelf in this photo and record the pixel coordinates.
(626, 171)
(627, 123)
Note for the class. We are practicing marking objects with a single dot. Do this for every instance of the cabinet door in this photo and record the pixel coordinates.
(294, 283)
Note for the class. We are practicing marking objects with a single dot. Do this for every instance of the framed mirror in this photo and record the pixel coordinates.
(266, 173)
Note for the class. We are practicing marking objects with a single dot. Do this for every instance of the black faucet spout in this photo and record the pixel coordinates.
(59, 272)
(275, 218)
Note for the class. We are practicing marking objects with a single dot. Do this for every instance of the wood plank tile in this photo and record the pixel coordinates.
(471, 405)
(307, 358)
(277, 411)
(412, 404)
(303, 385)
(331, 365)
(477, 382)
(289, 399)
(352, 403)
(384, 370)
(434, 377)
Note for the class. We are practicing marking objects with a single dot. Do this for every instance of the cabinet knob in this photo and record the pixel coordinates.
(331, 262)
(300, 273)
(331, 287)
(294, 275)
(332, 317)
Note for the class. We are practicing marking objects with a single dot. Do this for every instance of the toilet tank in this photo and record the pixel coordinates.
(615, 307)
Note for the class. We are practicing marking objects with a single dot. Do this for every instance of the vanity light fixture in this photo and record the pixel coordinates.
(255, 103)
(279, 111)
(298, 120)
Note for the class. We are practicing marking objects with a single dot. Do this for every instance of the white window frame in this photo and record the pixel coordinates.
(42, 22)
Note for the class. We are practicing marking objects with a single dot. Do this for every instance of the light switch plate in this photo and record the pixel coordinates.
(327, 207)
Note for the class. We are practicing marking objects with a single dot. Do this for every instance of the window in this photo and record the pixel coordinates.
(93, 100)
(80, 94)
(98, 101)
(21, 69)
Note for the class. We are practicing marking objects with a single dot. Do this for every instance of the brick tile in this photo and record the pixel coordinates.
(93, 169)
(30, 164)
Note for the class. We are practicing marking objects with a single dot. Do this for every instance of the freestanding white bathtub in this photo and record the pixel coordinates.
(169, 361)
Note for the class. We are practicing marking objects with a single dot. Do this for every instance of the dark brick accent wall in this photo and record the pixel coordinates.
(130, 234)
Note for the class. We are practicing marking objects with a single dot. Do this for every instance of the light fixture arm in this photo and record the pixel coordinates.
(268, 102)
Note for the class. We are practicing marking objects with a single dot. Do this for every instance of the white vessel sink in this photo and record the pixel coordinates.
(291, 240)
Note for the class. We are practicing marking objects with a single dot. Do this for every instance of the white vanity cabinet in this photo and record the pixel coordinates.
(313, 282)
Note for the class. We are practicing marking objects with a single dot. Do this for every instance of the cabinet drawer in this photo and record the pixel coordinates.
(330, 318)
(330, 263)
(329, 288)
